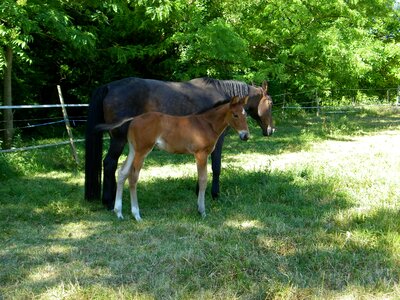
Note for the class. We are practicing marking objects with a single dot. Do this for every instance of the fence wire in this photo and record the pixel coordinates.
(321, 101)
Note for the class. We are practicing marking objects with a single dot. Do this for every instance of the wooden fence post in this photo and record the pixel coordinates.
(67, 125)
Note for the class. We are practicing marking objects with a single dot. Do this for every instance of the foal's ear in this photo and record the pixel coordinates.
(244, 100)
(234, 100)
(265, 86)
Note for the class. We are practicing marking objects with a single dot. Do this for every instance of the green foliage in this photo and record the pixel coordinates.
(296, 45)
(15, 29)
(215, 50)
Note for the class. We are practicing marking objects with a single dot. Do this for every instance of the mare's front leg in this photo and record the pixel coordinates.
(216, 166)
(133, 179)
(110, 163)
(201, 161)
(123, 173)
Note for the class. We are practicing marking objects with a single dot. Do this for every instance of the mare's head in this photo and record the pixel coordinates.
(237, 117)
(259, 108)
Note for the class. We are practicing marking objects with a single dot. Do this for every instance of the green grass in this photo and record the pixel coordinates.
(312, 212)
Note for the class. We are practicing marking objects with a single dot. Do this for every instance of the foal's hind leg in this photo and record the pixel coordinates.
(110, 163)
(133, 179)
(201, 160)
(122, 175)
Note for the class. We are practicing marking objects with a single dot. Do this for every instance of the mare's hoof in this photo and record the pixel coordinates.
(108, 205)
(215, 195)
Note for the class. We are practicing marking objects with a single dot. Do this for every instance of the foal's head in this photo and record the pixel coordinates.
(237, 117)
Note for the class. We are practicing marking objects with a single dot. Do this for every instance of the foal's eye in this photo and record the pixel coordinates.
(235, 116)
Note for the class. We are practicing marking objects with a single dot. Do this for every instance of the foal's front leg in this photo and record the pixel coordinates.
(201, 160)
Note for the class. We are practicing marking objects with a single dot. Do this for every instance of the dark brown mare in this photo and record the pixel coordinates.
(195, 134)
(131, 97)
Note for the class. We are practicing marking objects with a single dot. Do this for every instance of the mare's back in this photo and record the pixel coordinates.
(134, 96)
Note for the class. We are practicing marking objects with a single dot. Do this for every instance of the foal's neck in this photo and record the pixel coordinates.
(217, 118)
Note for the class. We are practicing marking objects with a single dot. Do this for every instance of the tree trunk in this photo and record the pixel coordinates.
(8, 113)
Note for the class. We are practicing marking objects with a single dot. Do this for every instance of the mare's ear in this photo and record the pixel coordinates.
(234, 100)
(265, 86)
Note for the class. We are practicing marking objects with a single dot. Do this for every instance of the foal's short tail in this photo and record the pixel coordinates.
(104, 127)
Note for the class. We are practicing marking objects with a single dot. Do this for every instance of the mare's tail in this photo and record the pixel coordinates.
(94, 145)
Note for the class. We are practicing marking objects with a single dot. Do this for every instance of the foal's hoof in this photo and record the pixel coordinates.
(119, 215)
(203, 214)
(138, 218)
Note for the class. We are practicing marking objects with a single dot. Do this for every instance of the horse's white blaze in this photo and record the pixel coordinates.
(243, 112)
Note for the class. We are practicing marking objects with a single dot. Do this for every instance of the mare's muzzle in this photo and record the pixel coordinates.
(269, 131)
(244, 135)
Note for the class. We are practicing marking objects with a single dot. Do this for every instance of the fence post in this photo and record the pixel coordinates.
(284, 103)
(317, 100)
(67, 125)
(398, 96)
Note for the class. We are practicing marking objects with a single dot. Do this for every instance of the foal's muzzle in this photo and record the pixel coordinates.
(244, 135)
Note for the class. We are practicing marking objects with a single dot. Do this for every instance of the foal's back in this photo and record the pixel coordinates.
(175, 134)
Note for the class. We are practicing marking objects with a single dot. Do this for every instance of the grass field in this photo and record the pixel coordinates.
(310, 213)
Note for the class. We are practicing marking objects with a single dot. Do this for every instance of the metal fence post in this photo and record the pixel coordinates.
(317, 101)
(284, 104)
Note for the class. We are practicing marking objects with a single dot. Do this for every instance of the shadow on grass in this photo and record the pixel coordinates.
(269, 233)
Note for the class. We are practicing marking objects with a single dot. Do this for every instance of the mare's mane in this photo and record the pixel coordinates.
(229, 88)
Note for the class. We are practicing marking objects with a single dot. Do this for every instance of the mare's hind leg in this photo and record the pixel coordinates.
(201, 160)
(133, 179)
(122, 175)
(110, 163)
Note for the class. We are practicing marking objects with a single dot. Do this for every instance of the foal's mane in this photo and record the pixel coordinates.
(219, 103)
(229, 88)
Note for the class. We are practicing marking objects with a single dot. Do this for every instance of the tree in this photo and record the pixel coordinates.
(20, 21)
(311, 44)
(14, 36)
(299, 45)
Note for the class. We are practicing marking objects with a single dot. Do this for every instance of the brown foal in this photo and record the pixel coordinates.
(196, 134)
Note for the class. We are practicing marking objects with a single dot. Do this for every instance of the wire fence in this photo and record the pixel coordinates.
(318, 101)
(50, 119)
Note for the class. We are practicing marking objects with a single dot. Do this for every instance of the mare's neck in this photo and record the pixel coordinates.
(217, 118)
